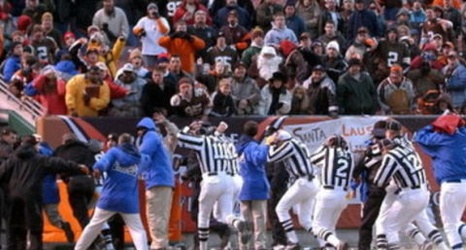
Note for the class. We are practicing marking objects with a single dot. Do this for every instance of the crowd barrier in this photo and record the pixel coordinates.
(312, 130)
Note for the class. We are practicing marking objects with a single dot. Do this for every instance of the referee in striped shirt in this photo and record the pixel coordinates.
(404, 166)
(301, 194)
(336, 163)
(217, 183)
(423, 226)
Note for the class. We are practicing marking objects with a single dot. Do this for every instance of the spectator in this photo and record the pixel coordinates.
(293, 21)
(44, 47)
(268, 62)
(295, 65)
(87, 94)
(159, 180)
(362, 17)
(223, 104)
(391, 51)
(347, 10)
(417, 15)
(356, 92)
(434, 25)
(391, 9)
(265, 13)
(361, 45)
(305, 47)
(182, 43)
(299, 101)
(8, 143)
(109, 56)
(221, 15)
(453, 15)
(425, 79)
(215, 6)
(455, 81)
(396, 93)
(49, 30)
(429, 53)
(279, 31)
(402, 17)
(334, 62)
(112, 21)
(321, 92)
(330, 13)
(203, 31)
(129, 105)
(221, 52)
(135, 58)
(275, 98)
(150, 29)
(29, 70)
(50, 91)
(191, 101)
(174, 67)
(309, 11)
(257, 41)
(23, 174)
(163, 63)
(156, 94)
(116, 91)
(331, 34)
(318, 48)
(186, 12)
(234, 33)
(13, 61)
(244, 90)
(68, 39)
(23, 23)
(34, 9)
(210, 79)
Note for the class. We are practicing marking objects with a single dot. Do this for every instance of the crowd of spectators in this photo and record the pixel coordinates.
(198, 58)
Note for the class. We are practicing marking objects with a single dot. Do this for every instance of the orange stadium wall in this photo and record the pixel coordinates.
(309, 129)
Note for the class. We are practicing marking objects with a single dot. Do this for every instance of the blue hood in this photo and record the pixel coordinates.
(147, 123)
(243, 141)
(67, 66)
(130, 149)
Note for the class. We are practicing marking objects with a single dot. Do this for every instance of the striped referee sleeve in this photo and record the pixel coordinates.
(190, 141)
(386, 170)
(319, 155)
(281, 152)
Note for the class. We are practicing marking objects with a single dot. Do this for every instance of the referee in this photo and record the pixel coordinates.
(404, 166)
(302, 192)
(217, 183)
(335, 161)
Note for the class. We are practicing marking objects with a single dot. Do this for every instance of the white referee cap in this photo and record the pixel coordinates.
(283, 135)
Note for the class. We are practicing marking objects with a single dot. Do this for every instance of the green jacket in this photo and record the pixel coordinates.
(356, 97)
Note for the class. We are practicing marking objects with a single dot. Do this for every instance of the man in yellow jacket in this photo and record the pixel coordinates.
(86, 94)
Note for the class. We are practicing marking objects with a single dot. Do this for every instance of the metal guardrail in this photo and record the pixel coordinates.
(27, 108)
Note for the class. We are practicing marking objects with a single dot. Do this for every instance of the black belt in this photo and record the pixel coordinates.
(215, 174)
(332, 187)
(412, 188)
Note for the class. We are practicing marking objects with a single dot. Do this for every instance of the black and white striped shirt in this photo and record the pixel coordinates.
(336, 165)
(295, 155)
(213, 155)
(404, 166)
(232, 165)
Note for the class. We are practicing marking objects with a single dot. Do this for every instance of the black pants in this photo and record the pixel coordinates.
(278, 178)
(117, 230)
(24, 216)
(369, 215)
(80, 192)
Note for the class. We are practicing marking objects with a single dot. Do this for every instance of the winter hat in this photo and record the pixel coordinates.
(402, 11)
(290, 3)
(135, 53)
(163, 58)
(23, 22)
(333, 45)
(287, 47)
(268, 50)
(152, 6)
(396, 69)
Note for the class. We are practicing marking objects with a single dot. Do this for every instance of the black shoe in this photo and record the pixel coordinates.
(225, 238)
(65, 226)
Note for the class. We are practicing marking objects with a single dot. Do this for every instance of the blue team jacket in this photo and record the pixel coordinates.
(253, 157)
(159, 172)
(447, 152)
(120, 190)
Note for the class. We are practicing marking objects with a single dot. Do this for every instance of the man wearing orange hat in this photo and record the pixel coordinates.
(396, 93)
